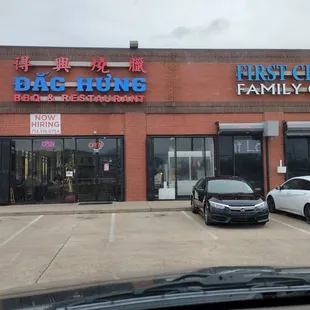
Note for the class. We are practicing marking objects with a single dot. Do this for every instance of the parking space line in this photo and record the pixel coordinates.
(20, 231)
(291, 226)
(112, 226)
(198, 225)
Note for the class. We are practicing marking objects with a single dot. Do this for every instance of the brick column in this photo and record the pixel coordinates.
(135, 159)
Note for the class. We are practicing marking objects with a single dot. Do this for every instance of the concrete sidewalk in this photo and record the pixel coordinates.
(76, 208)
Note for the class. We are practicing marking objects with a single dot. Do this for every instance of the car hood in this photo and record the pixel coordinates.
(43, 294)
(237, 199)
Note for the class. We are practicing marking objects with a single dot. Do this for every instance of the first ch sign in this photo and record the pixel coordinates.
(45, 124)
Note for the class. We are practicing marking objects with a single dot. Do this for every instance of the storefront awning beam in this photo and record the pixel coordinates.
(298, 128)
(240, 127)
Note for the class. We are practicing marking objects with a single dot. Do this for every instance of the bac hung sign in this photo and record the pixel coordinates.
(45, 124)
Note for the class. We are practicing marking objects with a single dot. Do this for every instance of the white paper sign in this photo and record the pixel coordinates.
(106, 167)
(45, 124)
(69, 173)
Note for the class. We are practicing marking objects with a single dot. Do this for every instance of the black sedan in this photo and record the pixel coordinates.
(228, 199)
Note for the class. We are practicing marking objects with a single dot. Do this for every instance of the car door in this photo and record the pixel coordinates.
(200, 193)
(283, 198)
(299, 197)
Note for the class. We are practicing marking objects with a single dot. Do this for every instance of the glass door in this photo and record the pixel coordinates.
(99, 169)
(175, 164)
(194, 160)
(242, 156)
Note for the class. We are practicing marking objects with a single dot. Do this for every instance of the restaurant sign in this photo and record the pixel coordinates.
(274, 79)
(104, 88)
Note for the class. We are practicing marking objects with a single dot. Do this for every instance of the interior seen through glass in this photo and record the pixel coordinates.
(50, 169)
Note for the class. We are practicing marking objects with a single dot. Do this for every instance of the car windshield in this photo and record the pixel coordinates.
(148, 138)
(229, 187)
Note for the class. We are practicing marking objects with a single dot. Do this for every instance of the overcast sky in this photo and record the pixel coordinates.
(156, 24)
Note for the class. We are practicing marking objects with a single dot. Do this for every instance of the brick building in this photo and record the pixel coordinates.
(138, 124)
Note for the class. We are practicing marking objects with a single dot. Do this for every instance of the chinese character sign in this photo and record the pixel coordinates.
(22, 63)
(100, 65)
(102, 85)
(62, 63)
(136, 65)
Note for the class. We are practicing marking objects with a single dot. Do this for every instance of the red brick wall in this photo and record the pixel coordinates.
(168, 82)
(136, 126)
(187, 82)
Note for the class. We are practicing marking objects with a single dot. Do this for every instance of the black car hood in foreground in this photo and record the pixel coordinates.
(236, 199)
(38, 297)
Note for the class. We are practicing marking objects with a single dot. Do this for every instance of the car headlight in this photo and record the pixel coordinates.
(261, 205)
(218, 205)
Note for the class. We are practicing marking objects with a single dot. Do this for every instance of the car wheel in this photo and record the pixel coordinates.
(307, 213)
(193, 208)
(271, 205)
(206, 215)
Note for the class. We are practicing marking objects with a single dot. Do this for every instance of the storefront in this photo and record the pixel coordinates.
(297, 148)
(65, 169)
(102, 125)
(176, 163)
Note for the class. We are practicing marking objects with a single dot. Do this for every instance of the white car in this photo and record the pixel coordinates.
(293, 196)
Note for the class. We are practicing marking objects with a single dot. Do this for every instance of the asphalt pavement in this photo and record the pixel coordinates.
(45, 248)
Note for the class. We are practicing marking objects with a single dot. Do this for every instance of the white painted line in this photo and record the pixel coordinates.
(301, 89)
(291, 226)
(118, 64)
(21, 230)
(112, 227)
(74, 84)
(286, 73)
(130, 98)
(202, 228)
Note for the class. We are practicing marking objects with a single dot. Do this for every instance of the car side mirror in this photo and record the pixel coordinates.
(278, 188)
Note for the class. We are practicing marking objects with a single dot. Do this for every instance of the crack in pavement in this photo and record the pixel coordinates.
(57, 253)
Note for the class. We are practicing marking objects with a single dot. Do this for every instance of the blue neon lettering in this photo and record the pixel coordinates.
(107, 83)
(82, 82)
(295, 73)
(139, 85)
(121, 84)
(53, 84)
(21, 83)
(272, 75)
(240, 71)
(259, 71)
(307, 72)
(281, 69)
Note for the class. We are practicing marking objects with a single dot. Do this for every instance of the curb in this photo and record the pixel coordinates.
(73, 212)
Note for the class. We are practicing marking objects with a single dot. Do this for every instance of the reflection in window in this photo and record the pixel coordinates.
(228, 187)
(297, 157)
(242, 156)
(180, 162)
(195, 159)
(164, 168)
(48, 169)
(22, 165)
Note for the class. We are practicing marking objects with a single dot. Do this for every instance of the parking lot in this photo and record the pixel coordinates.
(44, 248)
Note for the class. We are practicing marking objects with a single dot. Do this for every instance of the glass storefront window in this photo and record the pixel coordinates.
(22, 168)
(66, 169)
(297, 157)
(242, 156)
(164, 168)
(194, 161)
(177, 163)
(48, 178)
